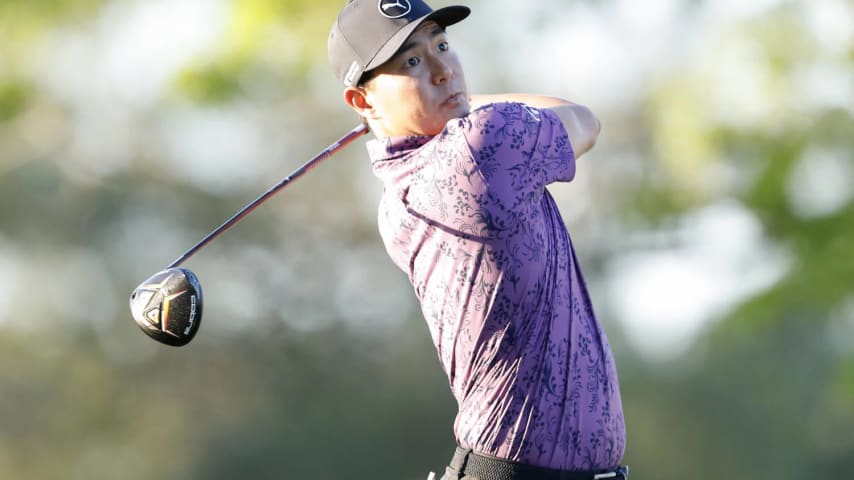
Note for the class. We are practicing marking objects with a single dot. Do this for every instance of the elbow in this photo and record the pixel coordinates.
(595, 129)
(582, 126)
(591, 127)
(594, 126)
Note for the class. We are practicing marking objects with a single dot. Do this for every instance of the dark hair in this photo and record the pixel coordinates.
(366, 77)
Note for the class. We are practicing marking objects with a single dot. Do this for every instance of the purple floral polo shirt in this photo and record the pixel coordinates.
(466, 215)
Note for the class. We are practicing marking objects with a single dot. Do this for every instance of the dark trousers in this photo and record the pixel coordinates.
(468, 465)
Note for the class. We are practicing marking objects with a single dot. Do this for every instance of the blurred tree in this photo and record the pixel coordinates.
(267, 45)
(759, 396)
(768, 392)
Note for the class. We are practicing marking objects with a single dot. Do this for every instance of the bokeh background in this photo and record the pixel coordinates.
(714, 220)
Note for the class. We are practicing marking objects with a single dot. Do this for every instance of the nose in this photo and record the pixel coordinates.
(442, 70)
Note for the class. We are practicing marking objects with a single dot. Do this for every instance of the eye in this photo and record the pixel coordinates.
(413, 62)
(444, 47)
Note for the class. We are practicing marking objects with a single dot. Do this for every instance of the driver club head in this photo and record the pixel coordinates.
(168, 306)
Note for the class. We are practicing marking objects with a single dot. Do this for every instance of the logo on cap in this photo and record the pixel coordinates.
(395, 9)
(350, 77)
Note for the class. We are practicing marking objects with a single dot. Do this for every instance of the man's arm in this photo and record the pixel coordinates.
(580, 123)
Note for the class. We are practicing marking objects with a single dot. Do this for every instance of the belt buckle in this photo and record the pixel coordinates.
(621, 473)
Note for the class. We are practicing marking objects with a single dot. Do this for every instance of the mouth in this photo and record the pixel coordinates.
(455, 99)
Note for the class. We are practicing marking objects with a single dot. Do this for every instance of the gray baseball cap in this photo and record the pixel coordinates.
(368, 33)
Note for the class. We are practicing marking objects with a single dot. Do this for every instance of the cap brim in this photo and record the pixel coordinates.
(444, 16)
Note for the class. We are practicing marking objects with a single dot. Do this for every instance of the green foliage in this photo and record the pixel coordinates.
(14, 98)
(213, 84)
(763, 395)
(23, 21)
(288, 405)
(278, 41)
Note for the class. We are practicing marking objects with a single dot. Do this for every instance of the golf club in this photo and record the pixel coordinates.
(168, 305)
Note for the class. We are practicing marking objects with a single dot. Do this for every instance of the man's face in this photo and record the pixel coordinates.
(420, 88)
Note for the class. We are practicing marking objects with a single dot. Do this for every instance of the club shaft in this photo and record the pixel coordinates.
(305, 168)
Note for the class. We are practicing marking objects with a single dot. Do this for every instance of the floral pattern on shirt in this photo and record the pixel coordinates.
(466, 214)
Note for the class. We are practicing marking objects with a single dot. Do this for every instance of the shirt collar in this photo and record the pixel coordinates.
(389, 148)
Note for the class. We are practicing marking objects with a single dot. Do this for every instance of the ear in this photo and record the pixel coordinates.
(357, 99)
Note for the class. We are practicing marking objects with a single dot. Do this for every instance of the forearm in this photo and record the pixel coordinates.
(581, 124)
(536, 101)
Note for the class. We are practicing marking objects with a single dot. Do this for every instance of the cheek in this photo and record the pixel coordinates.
(408, 102)
(393, 97)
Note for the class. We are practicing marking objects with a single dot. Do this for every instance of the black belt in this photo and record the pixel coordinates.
(467, 462)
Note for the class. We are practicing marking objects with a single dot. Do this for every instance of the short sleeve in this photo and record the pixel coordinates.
(519, 149)
(488, 170)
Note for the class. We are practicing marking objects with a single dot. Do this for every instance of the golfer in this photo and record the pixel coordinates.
(465, 213)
